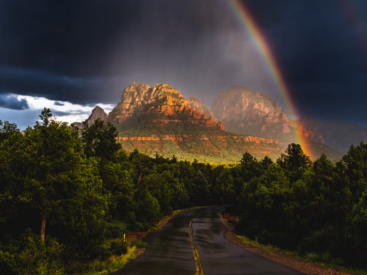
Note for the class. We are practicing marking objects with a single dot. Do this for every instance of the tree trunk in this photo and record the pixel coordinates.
(43, 227)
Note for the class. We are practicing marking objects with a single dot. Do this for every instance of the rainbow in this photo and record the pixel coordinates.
(268, 58)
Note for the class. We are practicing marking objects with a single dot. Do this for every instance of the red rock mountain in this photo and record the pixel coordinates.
(248, 112)
(195, 103)
(161, 101)
(159, 120)
(337, 135)
(149, 117)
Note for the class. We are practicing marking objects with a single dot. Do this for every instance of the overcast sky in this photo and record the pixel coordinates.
(71, 55)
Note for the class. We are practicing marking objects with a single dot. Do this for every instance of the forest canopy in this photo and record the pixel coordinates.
(67, 194)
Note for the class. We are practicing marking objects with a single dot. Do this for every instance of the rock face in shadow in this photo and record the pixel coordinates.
(337, 135)
(97, 112)
(248, 112)
(195, 103)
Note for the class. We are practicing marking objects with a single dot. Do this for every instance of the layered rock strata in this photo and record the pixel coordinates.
(248, 139)
(159, 120)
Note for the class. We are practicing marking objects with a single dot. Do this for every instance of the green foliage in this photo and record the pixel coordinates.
(99, 139)
(7, 129)
(200, 191)
(147, 210)
(118, 247)
(317, 208)
(28, 255)
(294, 158)
(115, 229)
(7, 263)
(138, 244)
(66, 202)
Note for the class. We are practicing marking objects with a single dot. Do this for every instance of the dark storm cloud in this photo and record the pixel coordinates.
(59, 103)
(320, 53)
(117, 42)
(88, 51)
(12, 102)
(51, 86)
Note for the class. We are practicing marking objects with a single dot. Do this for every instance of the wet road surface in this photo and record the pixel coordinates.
(170, 250)
(220, 256)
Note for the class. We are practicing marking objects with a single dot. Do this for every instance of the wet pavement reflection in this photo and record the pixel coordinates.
(220, 256)
(170, 251)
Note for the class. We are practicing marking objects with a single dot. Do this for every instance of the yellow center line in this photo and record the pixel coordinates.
(199, 267)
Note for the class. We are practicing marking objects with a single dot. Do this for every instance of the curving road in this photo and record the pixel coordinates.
(173, 250)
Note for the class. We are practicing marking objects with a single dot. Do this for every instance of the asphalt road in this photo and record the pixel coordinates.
(171, 251)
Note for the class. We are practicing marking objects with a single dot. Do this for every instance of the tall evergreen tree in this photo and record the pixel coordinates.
(99, 139)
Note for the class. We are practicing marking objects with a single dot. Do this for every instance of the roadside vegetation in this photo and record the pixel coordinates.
(318, 209)
(68, 196)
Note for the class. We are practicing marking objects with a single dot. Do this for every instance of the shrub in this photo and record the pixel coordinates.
(7, 263)
(28, 256)
(115, 229)
(118, 247)
(138, 244)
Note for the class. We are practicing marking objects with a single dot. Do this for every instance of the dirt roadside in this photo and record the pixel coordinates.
(306, 267)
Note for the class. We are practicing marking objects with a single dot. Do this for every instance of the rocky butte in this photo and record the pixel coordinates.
(248, 112)
(97, 112)
(336, 134)
(162, 102)
(159, 120)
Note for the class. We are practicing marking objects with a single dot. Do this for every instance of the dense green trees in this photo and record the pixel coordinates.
(46, 177)
(99, 139)
(315, 207)
(66, 194)
(7, 129)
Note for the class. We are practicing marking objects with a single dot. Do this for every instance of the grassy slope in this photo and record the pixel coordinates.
(113, 263)
(211, 151)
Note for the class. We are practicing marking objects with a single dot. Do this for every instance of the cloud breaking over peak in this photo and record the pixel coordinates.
(29, 107)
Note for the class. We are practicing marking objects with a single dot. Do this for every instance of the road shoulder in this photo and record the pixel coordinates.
(304, 266)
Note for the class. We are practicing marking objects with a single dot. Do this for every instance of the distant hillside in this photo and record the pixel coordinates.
(248, 112)
(159, 120)
(337, 135)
